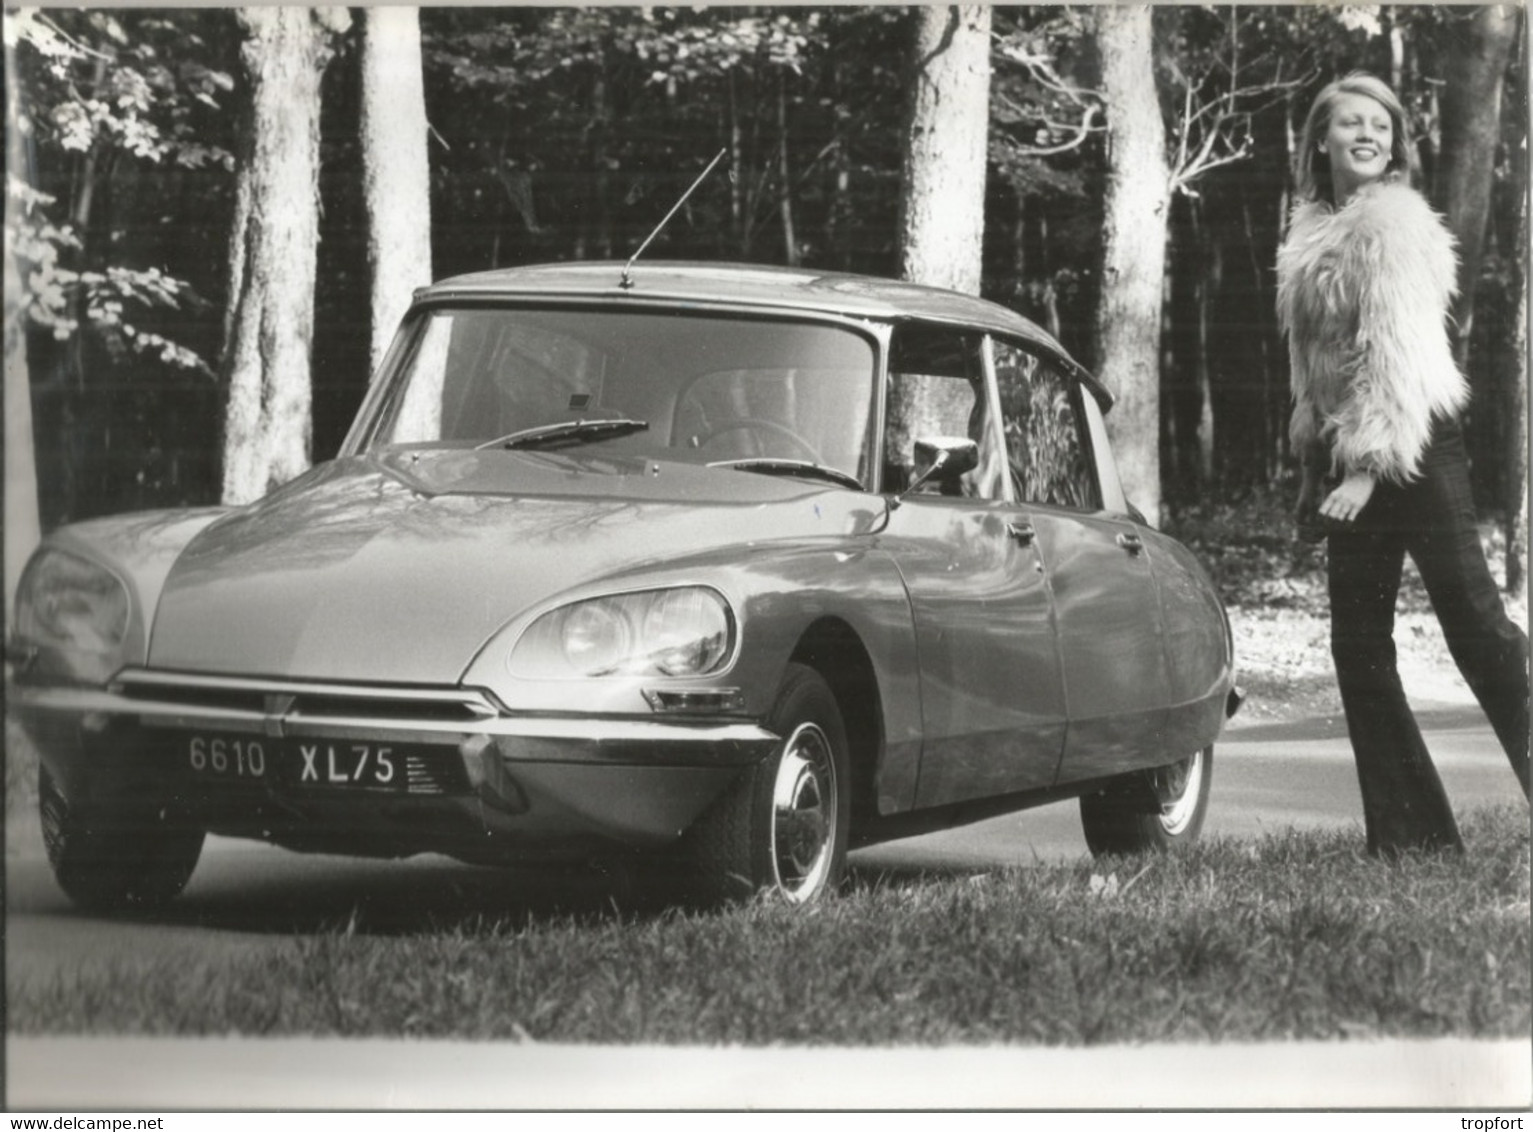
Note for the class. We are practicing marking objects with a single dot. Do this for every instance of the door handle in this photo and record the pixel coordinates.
(1131, 543)
(1022, 532)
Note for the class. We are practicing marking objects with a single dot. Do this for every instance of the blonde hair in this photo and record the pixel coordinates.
(1312, 168)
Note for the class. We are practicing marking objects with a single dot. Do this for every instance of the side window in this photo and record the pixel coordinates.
(1046, 443)
(937, 388)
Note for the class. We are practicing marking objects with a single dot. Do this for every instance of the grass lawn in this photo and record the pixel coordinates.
(1293, 936)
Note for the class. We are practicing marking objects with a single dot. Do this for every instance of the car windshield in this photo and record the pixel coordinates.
(697, 388)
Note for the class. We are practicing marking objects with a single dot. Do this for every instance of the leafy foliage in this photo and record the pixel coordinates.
(99, 91)
(568, 132)
(602, 116)
(126, 120)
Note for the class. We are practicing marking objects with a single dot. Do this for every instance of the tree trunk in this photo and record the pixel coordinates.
(1205, 400)
(601, 174)
(1127, 332)
(1516, 451)
(78, 428)
(395, 180)
(838, 226)
(23, 528)
(737, 206)
(1471, 128)
(942, 205)
(785, 175)
(1474, 72)
(269, 320)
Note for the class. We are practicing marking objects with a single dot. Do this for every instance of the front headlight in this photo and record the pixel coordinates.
(70, 602)
(686, 631)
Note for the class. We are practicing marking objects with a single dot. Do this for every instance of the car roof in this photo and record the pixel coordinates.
(753, 285)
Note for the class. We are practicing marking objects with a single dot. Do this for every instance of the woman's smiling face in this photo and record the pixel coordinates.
(1359, 141)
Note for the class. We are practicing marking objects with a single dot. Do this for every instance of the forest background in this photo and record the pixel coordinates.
(137, 137)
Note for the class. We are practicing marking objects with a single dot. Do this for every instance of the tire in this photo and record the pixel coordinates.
(118, 866)
(782, 828)
(1151, 811)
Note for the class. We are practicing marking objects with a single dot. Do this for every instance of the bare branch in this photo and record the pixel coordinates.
(1042, 71)
(1182, 183)
(1214, 130)
(82, 48)
(1083, 130)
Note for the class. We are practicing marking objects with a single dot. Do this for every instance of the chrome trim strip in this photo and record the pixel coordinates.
(589, 729)
(71, 698)
(476, 700)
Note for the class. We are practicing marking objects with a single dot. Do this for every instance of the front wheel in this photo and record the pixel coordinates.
(1150, 811)
(112, 867)
(782, 828)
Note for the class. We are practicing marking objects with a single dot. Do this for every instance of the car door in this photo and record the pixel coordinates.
(992, 701)
(1106, 607)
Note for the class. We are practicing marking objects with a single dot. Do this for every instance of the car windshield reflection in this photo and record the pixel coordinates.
(704, 390)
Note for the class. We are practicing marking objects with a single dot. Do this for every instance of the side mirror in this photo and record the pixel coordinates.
(943, 459)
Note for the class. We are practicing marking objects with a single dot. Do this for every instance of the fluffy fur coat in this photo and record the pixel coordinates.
(1363, 295)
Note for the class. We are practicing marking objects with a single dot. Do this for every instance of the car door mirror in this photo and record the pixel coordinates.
(942, 459)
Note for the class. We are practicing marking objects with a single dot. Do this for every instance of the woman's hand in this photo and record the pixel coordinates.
(1346, 503)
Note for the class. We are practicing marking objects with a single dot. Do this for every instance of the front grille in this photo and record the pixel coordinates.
(322, 706)
(297, 703)
(421, 723)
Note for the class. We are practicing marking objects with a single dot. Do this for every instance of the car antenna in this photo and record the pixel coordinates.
(626, 283)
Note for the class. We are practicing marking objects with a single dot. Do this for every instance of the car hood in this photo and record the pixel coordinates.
(399, 569)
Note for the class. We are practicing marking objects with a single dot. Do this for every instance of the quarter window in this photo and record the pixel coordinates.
(1046, 445)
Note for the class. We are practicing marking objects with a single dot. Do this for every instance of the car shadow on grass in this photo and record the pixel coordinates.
(439, 895)
(425, 896)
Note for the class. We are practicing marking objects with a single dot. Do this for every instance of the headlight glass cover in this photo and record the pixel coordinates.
(70, 602)
(685, 631)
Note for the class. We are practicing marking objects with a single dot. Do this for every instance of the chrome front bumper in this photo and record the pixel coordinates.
(482, 781)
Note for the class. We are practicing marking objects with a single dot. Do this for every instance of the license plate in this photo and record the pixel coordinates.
(303, 763)
(371, 766)
(232, 757)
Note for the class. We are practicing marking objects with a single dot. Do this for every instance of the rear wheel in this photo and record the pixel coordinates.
(118, 865)
(782, 828)
(1150, 811)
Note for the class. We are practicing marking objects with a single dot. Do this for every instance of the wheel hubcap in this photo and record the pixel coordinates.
(803, 814)
(1179, 786)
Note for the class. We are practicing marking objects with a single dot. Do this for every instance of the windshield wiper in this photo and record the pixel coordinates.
(566, 430)
(801, 468)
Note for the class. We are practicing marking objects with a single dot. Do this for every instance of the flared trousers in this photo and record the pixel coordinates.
(1432, 519)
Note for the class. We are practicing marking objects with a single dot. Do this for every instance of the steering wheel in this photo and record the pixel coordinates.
(757, 424)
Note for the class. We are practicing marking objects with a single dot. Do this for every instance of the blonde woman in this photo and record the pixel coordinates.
(1365, 278)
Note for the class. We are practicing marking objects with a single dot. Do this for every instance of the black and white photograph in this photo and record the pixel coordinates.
(787, 558)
